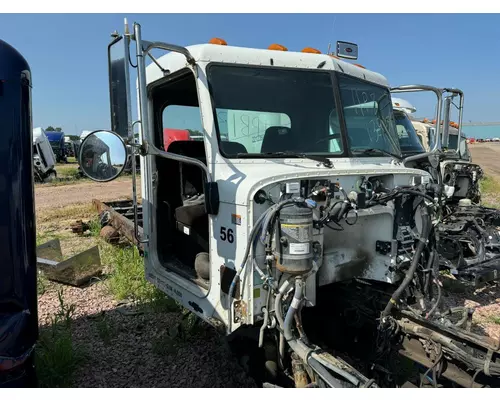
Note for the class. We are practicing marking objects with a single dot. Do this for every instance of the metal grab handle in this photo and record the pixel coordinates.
(134, 197)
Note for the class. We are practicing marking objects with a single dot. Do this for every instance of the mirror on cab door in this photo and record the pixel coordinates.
(103, 156)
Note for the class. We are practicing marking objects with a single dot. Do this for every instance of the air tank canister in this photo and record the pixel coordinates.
(294, 240)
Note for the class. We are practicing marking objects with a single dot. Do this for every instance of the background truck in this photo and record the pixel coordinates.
(44, 160)
(57, 142)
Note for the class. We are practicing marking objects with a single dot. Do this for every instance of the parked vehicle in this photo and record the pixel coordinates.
(44, 160)
(57, 142)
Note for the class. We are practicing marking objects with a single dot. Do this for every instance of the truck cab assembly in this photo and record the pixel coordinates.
(294, 224)
(469, 233)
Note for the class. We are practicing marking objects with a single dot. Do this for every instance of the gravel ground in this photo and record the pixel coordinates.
(136, 352)
(124, 350)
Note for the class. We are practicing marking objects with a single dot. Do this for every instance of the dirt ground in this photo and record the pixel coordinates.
(132, 351)
(48, 196)
(487, 155)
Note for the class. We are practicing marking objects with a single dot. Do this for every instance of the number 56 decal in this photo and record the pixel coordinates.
(226, 235)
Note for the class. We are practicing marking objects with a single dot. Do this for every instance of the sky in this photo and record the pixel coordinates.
(68, 53)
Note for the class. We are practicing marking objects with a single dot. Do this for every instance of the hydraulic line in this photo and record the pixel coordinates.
(298, 296)
(426, 228)
(304, 351)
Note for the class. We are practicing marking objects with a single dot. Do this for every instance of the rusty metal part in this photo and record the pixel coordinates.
(342, 368)
(110, 234)
(240, 311)
(119, 221)
(419, 326)
(414, 350)
(79, 227)
(459, 346)
(300, 375)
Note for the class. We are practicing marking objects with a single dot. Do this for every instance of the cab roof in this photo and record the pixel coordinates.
(207, 53)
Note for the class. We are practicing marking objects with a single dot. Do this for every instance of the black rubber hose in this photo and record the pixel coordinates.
(416, 193)
(426, 228)
(438, 300)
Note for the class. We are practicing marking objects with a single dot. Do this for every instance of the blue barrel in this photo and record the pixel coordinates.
(18, 272)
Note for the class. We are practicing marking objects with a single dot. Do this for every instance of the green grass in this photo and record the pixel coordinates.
(57, 359)
(42, 238)
(495, 320)
(94, 227)
(490, 191)
(127, 280)
(41, 284)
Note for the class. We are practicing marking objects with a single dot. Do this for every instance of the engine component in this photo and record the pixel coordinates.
(294, 235)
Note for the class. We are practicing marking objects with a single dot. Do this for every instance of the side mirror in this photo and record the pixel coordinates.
(463, 150)
(102, 156)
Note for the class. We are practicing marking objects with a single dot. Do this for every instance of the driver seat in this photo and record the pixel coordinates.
(278, 138)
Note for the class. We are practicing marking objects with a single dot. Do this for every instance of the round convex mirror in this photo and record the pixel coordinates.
(463, 149)
(103, 156)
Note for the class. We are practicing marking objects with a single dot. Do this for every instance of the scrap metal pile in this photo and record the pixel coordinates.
(469, 233)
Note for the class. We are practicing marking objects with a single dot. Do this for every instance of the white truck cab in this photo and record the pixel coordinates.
(270, 139)
(296, 189)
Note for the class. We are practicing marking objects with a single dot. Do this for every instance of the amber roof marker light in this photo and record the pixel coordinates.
(310, 50)
(218, 41)
(278, 47)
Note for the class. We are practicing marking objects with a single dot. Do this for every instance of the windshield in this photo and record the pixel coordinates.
(262, 111)
(368, 116)
(409, 141)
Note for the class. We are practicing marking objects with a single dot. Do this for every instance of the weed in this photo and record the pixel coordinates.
(56, 358)
(160, 302)
(41, 284)
(94, 227)
(191, 325)
(105, 330)
(495, 320)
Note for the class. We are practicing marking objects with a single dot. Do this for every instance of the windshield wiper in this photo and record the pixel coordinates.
(324, 160)
(373, 150)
